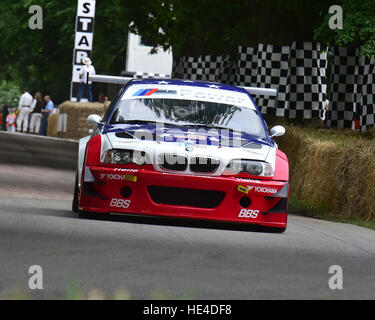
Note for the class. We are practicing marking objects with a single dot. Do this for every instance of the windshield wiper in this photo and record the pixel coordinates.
(208, 126)
(134, 122)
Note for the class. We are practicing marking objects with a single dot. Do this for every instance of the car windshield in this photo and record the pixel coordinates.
(189, 113)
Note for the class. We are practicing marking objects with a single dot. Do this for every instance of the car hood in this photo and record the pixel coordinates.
(222, 145)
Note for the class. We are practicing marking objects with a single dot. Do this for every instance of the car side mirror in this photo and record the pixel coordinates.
(277, 131)
(94, 119)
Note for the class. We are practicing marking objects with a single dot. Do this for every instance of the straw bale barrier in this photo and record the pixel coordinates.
(334, 169)
(77, 113)
(52, 125)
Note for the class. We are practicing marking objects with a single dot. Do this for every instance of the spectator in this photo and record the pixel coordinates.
(36, 113)
(102, 98)
(5, 113)
(24, 110)
(46, 112)
(322, 112)
(11, 121)
(85, 85)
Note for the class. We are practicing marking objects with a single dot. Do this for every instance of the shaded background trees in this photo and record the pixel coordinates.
(42, 59)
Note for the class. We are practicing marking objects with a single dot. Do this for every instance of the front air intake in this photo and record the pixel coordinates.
(207, 199)
(173, 162)
(203, 165)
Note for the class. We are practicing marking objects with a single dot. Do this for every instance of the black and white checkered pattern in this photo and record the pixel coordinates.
(247, 66)
(272, 72)
(308, 89)
(150, 75)
(343, 92)
(352, 93)
(207, 68)
(298, 73)
(366, 93)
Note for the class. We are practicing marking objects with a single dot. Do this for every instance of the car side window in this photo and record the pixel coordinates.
(110, 107)
(108, 111)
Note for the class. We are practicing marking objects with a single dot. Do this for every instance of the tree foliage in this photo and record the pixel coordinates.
(197, 27)
(358, 27)
(9, 93)
(42, 59)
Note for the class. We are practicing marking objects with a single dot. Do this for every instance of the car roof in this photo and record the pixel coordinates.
(191, 83)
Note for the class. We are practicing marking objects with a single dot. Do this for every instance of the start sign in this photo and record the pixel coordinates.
(83, 40)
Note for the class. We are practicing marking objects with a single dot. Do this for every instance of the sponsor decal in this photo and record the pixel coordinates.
(126, 177)
(212, 94)
(217, 96)
(150, 92)
(244, 189)
(248, 213)
(264, 190)
(248, 180)
(120, 203)
(257, 189)
(125, 170)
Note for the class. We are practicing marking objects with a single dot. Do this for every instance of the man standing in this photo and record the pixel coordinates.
(87, 69)
(5, 112)
(46, 112)
(24, 110)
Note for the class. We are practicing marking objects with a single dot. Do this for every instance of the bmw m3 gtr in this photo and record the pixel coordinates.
(185, 149)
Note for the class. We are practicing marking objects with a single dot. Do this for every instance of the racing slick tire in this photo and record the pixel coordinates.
(75, 202)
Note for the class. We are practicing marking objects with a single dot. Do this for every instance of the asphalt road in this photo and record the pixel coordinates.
(149, 259)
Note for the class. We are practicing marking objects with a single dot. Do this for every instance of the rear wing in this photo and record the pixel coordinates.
(109, 79)
(261, 91)
(125, 80)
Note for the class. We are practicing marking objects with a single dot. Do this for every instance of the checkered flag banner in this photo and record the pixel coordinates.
(206, 68)
(266, 67)
(299, 74)
(352, 93)
(150, 75)
(366, 96)
(307, 82)
(343, 92)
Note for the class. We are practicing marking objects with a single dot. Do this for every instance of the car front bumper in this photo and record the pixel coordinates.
(148, 192)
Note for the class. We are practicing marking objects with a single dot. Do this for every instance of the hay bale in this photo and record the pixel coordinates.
(352, 172)
(77, 113)
(332, 168)
(319, 185)
(369, 180)
(52, 125)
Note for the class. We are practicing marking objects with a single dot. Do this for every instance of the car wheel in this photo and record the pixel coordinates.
(83, 214)
(75, 202)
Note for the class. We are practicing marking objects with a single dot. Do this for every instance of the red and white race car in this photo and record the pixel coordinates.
(184, 149)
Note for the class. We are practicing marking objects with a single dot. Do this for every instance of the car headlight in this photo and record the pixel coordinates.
(254, 168)
(115, 156)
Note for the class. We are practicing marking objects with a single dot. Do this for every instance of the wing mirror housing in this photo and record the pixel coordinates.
(94, 119)
(277, 131)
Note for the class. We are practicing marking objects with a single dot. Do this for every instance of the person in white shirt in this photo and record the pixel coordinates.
(87, 69)
(24, 107)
